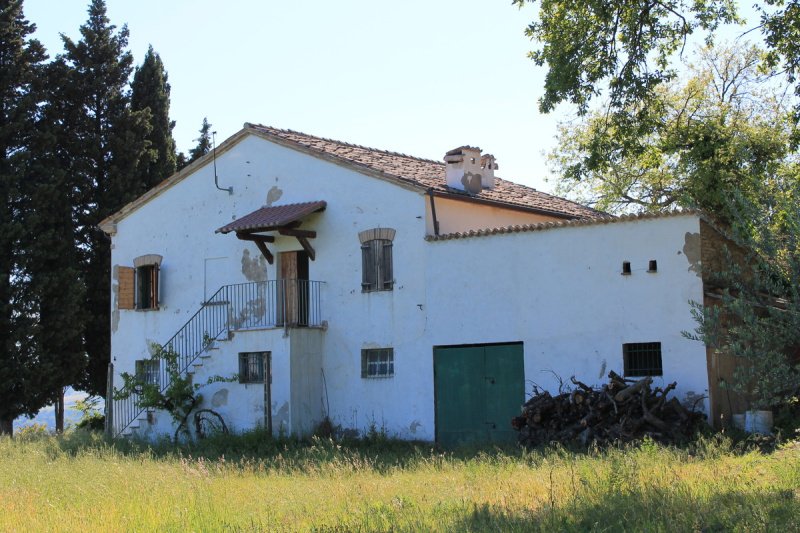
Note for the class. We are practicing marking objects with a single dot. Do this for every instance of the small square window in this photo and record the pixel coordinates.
(626, 268)
(251, 367)
(377, 363)
(147, 371)
(652, 266)
(642, 359)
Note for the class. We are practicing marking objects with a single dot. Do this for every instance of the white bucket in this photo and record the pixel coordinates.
(738, 421)
(758, 422)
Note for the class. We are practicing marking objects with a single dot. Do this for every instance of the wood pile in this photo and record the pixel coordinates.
(622, 410)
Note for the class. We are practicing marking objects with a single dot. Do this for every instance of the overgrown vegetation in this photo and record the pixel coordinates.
(180, 397)
(253, 482)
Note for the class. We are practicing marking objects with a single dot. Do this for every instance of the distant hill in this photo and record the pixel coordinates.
(47, 415)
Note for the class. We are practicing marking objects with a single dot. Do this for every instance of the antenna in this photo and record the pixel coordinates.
(214, 156)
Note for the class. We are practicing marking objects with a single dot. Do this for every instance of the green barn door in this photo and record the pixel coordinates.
(459, 395)
(478, 390)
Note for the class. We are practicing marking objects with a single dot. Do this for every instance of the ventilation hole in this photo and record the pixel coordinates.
(653, 266)
(626, 268)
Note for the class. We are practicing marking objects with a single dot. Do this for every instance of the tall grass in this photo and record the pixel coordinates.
(79, 482)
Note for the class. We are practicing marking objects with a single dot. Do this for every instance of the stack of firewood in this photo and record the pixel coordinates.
(622, 410)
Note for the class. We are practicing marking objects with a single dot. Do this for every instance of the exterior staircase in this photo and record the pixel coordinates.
(268, 304)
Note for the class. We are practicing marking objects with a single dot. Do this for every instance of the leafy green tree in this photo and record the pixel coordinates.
(721, 134)
(107, 140)
(150, 90)
(20, 61)
(203, 142)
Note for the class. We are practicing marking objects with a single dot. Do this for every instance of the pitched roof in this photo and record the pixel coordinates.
(272, 217)
(428, 174)
(412, 172)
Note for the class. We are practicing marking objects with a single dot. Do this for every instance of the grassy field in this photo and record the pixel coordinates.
(79, 483)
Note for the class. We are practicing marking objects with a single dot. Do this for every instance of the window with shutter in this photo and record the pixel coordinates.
(376, 259)
(146, 282)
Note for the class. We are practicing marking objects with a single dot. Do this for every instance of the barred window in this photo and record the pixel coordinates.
(251, 367)
(376, 259)
(377, 363)
(147, 371)
(642, 359)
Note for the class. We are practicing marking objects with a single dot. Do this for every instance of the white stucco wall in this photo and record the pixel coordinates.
(179, 224)
(558, 291)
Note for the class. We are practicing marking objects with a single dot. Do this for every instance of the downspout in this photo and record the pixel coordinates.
(433, 213)
(229, 190)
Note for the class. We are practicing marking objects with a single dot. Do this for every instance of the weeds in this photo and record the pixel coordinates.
(254, 482)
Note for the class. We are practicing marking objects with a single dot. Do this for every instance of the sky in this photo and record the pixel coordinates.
(418, 76)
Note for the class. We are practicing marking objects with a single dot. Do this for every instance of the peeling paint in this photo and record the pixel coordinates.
(273, 195)
(472, 182)
(220, 398)
(603, 367)
(691, 249)
(254, 267)
(281, 417)
(415, 425)
(114, 297)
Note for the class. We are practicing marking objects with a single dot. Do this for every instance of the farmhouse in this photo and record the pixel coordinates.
(425, 298)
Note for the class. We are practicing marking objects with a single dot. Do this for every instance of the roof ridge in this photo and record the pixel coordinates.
(344, 143)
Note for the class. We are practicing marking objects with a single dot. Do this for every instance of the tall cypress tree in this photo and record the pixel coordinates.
(107, 142)
(150, 90)
(55, 290)
(203, 142)
(20, 60)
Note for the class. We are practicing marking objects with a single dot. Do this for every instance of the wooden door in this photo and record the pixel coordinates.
(293, 288)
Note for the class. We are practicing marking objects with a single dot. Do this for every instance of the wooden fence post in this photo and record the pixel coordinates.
(109, 428)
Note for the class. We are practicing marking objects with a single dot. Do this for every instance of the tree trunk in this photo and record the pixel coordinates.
(59, 408)
(7, 426)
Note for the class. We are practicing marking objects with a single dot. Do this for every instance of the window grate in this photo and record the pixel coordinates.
(147, 371)
(642, 359)
(251, 367)
(377, 363)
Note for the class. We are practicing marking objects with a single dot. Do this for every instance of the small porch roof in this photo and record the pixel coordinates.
(272, 218)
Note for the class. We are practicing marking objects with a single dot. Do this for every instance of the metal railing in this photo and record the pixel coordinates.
(279, 303)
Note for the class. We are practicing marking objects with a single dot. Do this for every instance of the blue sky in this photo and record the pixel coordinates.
(416, 76)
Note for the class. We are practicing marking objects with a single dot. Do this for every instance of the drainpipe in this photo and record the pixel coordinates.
(433, 213)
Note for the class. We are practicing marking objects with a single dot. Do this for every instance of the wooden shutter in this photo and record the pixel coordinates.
(386, 266)
(125, 294)
(368, 273)
(154, 287)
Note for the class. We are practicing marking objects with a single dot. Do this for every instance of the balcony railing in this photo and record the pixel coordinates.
(279, 303)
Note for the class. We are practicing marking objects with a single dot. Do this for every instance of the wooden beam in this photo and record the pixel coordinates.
(306, 234)
(255, 237)
(307, 247)
(265, 251)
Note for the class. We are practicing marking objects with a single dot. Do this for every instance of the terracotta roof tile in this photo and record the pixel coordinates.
(542, 226)
(271, 217)
(428, 174)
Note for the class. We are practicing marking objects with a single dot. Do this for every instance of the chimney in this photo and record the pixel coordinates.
(488, 166)
(468, 171)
